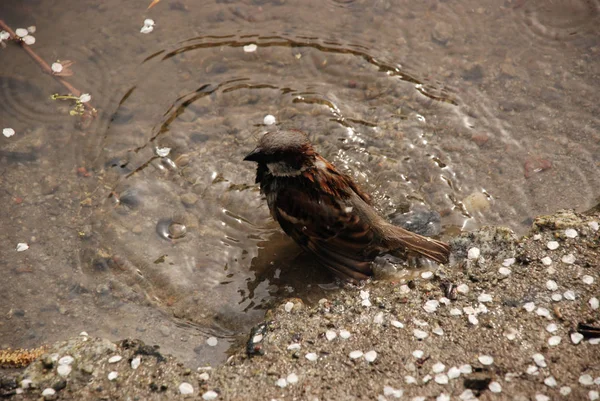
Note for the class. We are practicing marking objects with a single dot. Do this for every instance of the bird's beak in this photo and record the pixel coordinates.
(253, 156)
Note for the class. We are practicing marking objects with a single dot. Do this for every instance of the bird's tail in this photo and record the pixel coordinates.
(409, 242)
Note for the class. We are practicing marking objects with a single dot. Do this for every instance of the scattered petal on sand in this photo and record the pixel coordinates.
(21, 32)
(495, 387)
(594, 303)
(551, 285)
(212, 341)
(8, 132)
(84, 98)
(371, 356)
(586, 380)
(473, 253)
(269, 119)
(486, 359)
(587, 279)
(554, 341)
(250, 48)
(570, 233)
(547, 260)
(345, 334)
(355, 354)
(568, 259)
(420, 334)
(418, 353)
(552, 245)
(209, 395)
(292, 378)
(330, 335)
(311, 356)
(22, 246)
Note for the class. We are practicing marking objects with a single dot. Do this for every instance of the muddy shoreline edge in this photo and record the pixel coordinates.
(474, 329)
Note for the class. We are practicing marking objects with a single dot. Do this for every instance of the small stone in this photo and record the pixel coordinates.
(547, 261)
(441, 379)
(541, 397)
(508, 262)
(444, 300)
(485, 298)
(505, 271)
(594, 303)
(594, 225)
(135, 362)
(576, 338)
(570, 233)
(586, 380)
(63, 370)
(593, 395)
(355, 354)
(453, 372)
(587, 279)
(281, 383)
(292, 378)
(418, 353)
(438, 367)
(427, 275)
(426, 378)
(473, 253)
(486, 359)
(330, 335)
(532, 370)
(378, 319)
(288, 306)
(250, 48)
(410, 380)
(554, 341)
(550, 381)
(112, 376)
(473, 320)
(552, 245)
(529, 306)
(269, 119)
(463, 289)
(26, 383)
(371, 356)
(311, 356)
(420, 334)
(594, 341)
(455, 312)
(115, 359)
(565, 390)
(495, 387)
(186, 388)
(212, 341)
(294, 347)
(551, 328)
(570, 295)
(48, 393)
(209, 395)
(568, 259)
(556, 297)
(537, 237)
(189, 199)
(344, 334)
(551, 285)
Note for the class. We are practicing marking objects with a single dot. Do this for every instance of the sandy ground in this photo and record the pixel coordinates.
(487, 326)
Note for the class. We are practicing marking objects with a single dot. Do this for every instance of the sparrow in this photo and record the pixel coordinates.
(326, 213)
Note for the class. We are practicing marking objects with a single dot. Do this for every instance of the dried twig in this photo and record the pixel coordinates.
(46, 68)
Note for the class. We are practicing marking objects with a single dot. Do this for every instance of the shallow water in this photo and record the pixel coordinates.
(486, 112)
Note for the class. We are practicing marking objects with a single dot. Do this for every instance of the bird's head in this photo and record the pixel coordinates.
(285, 153)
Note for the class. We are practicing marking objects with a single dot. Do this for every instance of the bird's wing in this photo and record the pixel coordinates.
(326, 224)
